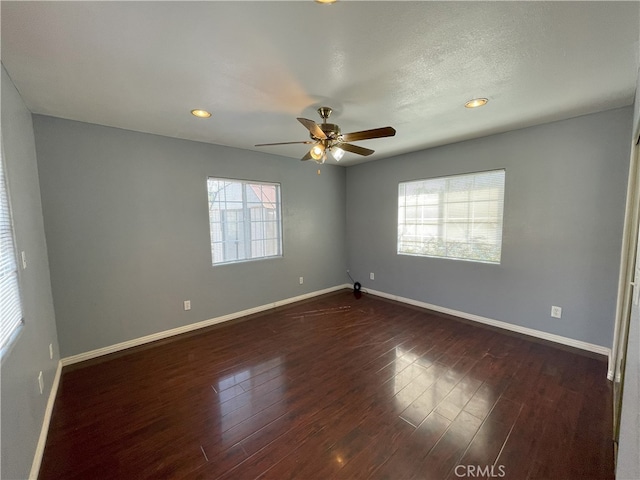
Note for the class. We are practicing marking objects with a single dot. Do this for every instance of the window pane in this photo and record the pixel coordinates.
(10, 303)
(244, 219)
(456, 217)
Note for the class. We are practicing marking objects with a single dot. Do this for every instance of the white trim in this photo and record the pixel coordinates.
(37, 458)
(611, 368)
(497, 323)
(193, 326)
(626, 272)
(232, 316)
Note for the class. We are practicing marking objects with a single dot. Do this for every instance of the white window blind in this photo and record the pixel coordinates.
(244, 219)
(10, 304)
(457, 217)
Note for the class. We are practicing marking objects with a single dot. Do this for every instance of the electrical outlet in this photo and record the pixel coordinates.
(41, 383)
(372, 276)
(301, 280)
(51, 351)
(187, 304)
(556, 312)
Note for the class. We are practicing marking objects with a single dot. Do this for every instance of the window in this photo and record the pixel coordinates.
(245, 220)
(456, 217)
(9, 290)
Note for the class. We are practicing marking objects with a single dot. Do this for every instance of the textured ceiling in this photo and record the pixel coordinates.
(258, 65)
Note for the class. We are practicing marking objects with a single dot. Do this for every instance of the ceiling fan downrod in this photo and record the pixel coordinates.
(331, 130)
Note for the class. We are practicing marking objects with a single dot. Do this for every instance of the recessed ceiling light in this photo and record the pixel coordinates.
(200, 113)
(476, 102)
(326, 2)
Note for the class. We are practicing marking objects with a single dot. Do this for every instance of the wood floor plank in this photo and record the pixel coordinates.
(525, 437)
(557, 456)
(401, 463)
(491, 437)
(446, 454)
(334, 387)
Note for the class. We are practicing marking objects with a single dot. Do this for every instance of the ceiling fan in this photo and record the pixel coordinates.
(327, 138)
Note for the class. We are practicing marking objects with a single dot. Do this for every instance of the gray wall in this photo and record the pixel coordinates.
(23, 407)
(127, 226)
(564, 211)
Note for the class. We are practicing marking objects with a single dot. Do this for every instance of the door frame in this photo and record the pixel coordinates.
(626, 286)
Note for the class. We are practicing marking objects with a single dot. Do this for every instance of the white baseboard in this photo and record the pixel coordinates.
(232, 316)
(193, 326)
(497, 323)
(37, 458)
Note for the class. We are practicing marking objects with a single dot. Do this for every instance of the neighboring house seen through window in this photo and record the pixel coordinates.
(245, 220)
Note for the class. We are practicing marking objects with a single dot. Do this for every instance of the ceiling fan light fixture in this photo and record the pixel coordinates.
(337, 153)
(327, 138)
(317, 151)
(198, 112)
(476, 102)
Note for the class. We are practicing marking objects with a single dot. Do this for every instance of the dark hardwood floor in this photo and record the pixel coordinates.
(335, 387)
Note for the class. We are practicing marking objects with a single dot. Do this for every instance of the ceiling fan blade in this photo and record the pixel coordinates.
(313, 127)
(306, 157)
(355, 149)
(282, 143)
(368, 134)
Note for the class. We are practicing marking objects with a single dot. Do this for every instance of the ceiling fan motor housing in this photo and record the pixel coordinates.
(331, 130)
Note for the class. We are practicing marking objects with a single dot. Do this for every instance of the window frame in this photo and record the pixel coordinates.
(245, 227)
(14, 287)
(444, 220)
